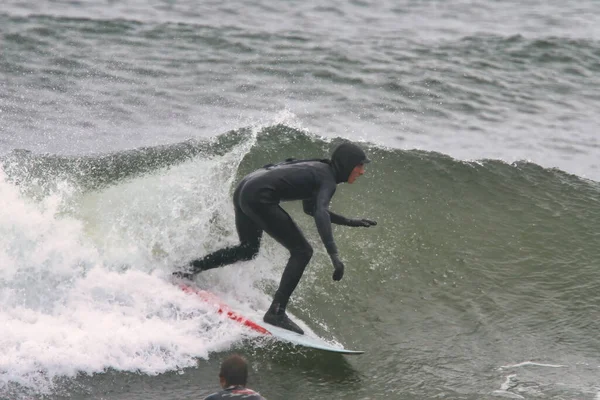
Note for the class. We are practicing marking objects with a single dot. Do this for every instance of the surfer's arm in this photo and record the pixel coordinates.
(309, 208)
(319, 209)
(323, 221)
(338, 219)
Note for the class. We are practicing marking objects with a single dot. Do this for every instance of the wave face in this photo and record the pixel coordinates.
(125, 125)
(474, 269)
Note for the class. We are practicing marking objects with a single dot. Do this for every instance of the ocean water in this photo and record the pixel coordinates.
(124, 127)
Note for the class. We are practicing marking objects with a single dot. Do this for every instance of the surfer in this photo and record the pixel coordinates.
(233, 376)
(256, 202)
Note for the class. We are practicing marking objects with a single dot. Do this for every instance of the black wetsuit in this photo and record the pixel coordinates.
(256, 200)
(236, 392)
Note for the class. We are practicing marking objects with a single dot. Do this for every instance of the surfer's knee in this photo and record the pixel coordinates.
(303, 254)
(248, 251)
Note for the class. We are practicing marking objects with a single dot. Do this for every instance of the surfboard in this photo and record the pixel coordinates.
(264, 329)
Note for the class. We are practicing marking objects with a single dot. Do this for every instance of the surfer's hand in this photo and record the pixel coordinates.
(362, 222)
(338, 266)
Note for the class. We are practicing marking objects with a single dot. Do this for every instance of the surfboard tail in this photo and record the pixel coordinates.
(263, 328)
(223, 308)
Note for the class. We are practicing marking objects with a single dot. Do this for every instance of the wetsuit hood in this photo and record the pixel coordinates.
(344, 158)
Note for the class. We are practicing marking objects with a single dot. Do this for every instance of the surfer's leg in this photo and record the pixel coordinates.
(250, 234)
(278, 224)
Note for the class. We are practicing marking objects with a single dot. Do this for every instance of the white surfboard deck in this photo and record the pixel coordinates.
(262, 328)
(305, 340)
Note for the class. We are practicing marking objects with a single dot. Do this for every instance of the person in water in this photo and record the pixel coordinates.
(233, 377)
(256, 201)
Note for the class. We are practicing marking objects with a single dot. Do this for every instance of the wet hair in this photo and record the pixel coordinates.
(234, 369)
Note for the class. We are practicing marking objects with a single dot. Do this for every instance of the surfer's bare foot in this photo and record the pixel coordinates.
(281, 320)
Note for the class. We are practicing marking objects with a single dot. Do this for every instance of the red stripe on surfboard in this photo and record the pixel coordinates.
(224, 308)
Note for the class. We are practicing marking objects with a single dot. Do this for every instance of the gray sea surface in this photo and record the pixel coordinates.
(124, 126)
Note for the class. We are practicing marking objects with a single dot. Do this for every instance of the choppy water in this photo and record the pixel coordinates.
(124, 126)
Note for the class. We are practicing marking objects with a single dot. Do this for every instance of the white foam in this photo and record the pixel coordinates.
(527, 363)
(129, 321)
(87, 289)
